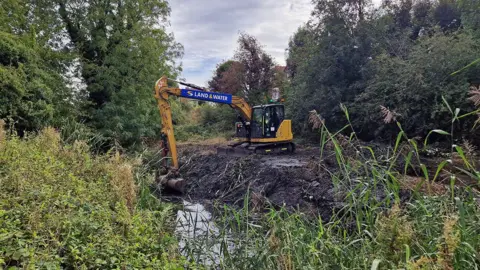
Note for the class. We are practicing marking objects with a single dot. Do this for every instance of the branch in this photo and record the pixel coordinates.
(73, 31)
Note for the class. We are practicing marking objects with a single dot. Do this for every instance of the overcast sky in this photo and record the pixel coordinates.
(208, 29)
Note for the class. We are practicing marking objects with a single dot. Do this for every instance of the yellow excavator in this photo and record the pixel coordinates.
(261, 129)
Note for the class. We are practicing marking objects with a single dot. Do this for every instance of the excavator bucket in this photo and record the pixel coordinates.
(177, 184)
(171, 181)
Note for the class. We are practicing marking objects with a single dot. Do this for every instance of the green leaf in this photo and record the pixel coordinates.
(439, 131)
(446, 103)
(425, 171)
(452, 186)
(345, 111)
(468, 114)
(100, 261)
(408, 161)
(407, 253)
(462, 155)
(397, 142)
(466, 67)
(467, 173)
(17, 255)
(5, 236)
(457, 111)
(371, 151)
(439, 168)
(415, 146)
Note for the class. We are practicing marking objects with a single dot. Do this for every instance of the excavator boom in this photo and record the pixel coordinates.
(162, 92)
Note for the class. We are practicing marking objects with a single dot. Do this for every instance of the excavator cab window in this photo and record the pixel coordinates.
(258, 115)
(266, 121)
(274, 116)
(256, 126)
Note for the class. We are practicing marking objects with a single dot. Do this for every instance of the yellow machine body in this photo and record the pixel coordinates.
(266, 138)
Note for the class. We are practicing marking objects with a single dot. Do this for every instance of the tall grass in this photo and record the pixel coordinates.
(391, 218)
(63, 208)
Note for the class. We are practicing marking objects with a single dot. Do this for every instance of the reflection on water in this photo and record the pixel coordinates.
(199, 238)
(284, 162)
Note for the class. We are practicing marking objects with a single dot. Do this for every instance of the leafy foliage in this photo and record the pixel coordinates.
(399, 56)
(32, 92)
(414, 87)
(206, 121)
(88, 61)
(61, 207)
(123, 47)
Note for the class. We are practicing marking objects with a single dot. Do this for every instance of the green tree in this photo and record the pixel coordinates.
(413, 88)
(399, 56)
(326, 59)
(447, 15)
(33, 92)
(123, 49)
(470, 15)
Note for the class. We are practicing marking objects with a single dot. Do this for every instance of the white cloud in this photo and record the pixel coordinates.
(208, 29)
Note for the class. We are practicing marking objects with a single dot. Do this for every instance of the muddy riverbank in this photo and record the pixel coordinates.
(297, 182)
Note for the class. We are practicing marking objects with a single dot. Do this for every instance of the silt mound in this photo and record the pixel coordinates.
(292, 181)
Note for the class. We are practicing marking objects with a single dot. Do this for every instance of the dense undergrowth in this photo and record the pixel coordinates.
(63, 208)
(428, 233)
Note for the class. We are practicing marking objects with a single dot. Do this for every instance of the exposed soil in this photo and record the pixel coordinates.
(294, 181)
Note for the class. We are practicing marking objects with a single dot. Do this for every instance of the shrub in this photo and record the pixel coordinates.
(61, 207)
(220, 118)
(205, 121)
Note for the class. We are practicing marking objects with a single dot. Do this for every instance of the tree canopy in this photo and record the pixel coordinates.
(399, 56)
(250, 74)
(118, 48)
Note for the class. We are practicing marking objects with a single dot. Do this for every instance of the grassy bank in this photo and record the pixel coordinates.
(61, 207)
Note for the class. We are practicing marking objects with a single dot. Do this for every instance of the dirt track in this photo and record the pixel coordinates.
(294, 181)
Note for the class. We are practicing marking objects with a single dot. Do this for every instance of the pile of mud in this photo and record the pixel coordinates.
(291, 181)
(300, 181)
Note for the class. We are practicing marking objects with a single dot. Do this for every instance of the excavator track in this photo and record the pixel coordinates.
(245, 149)
(273, 148)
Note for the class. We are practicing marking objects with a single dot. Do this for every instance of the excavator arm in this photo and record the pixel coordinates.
(162, 92)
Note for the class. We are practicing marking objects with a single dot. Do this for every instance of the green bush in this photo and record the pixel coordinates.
(203, 121)
(61, 207)
(220, 118)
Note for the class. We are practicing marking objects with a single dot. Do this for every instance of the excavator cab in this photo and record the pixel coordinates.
(266, 120)
(268, 130)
